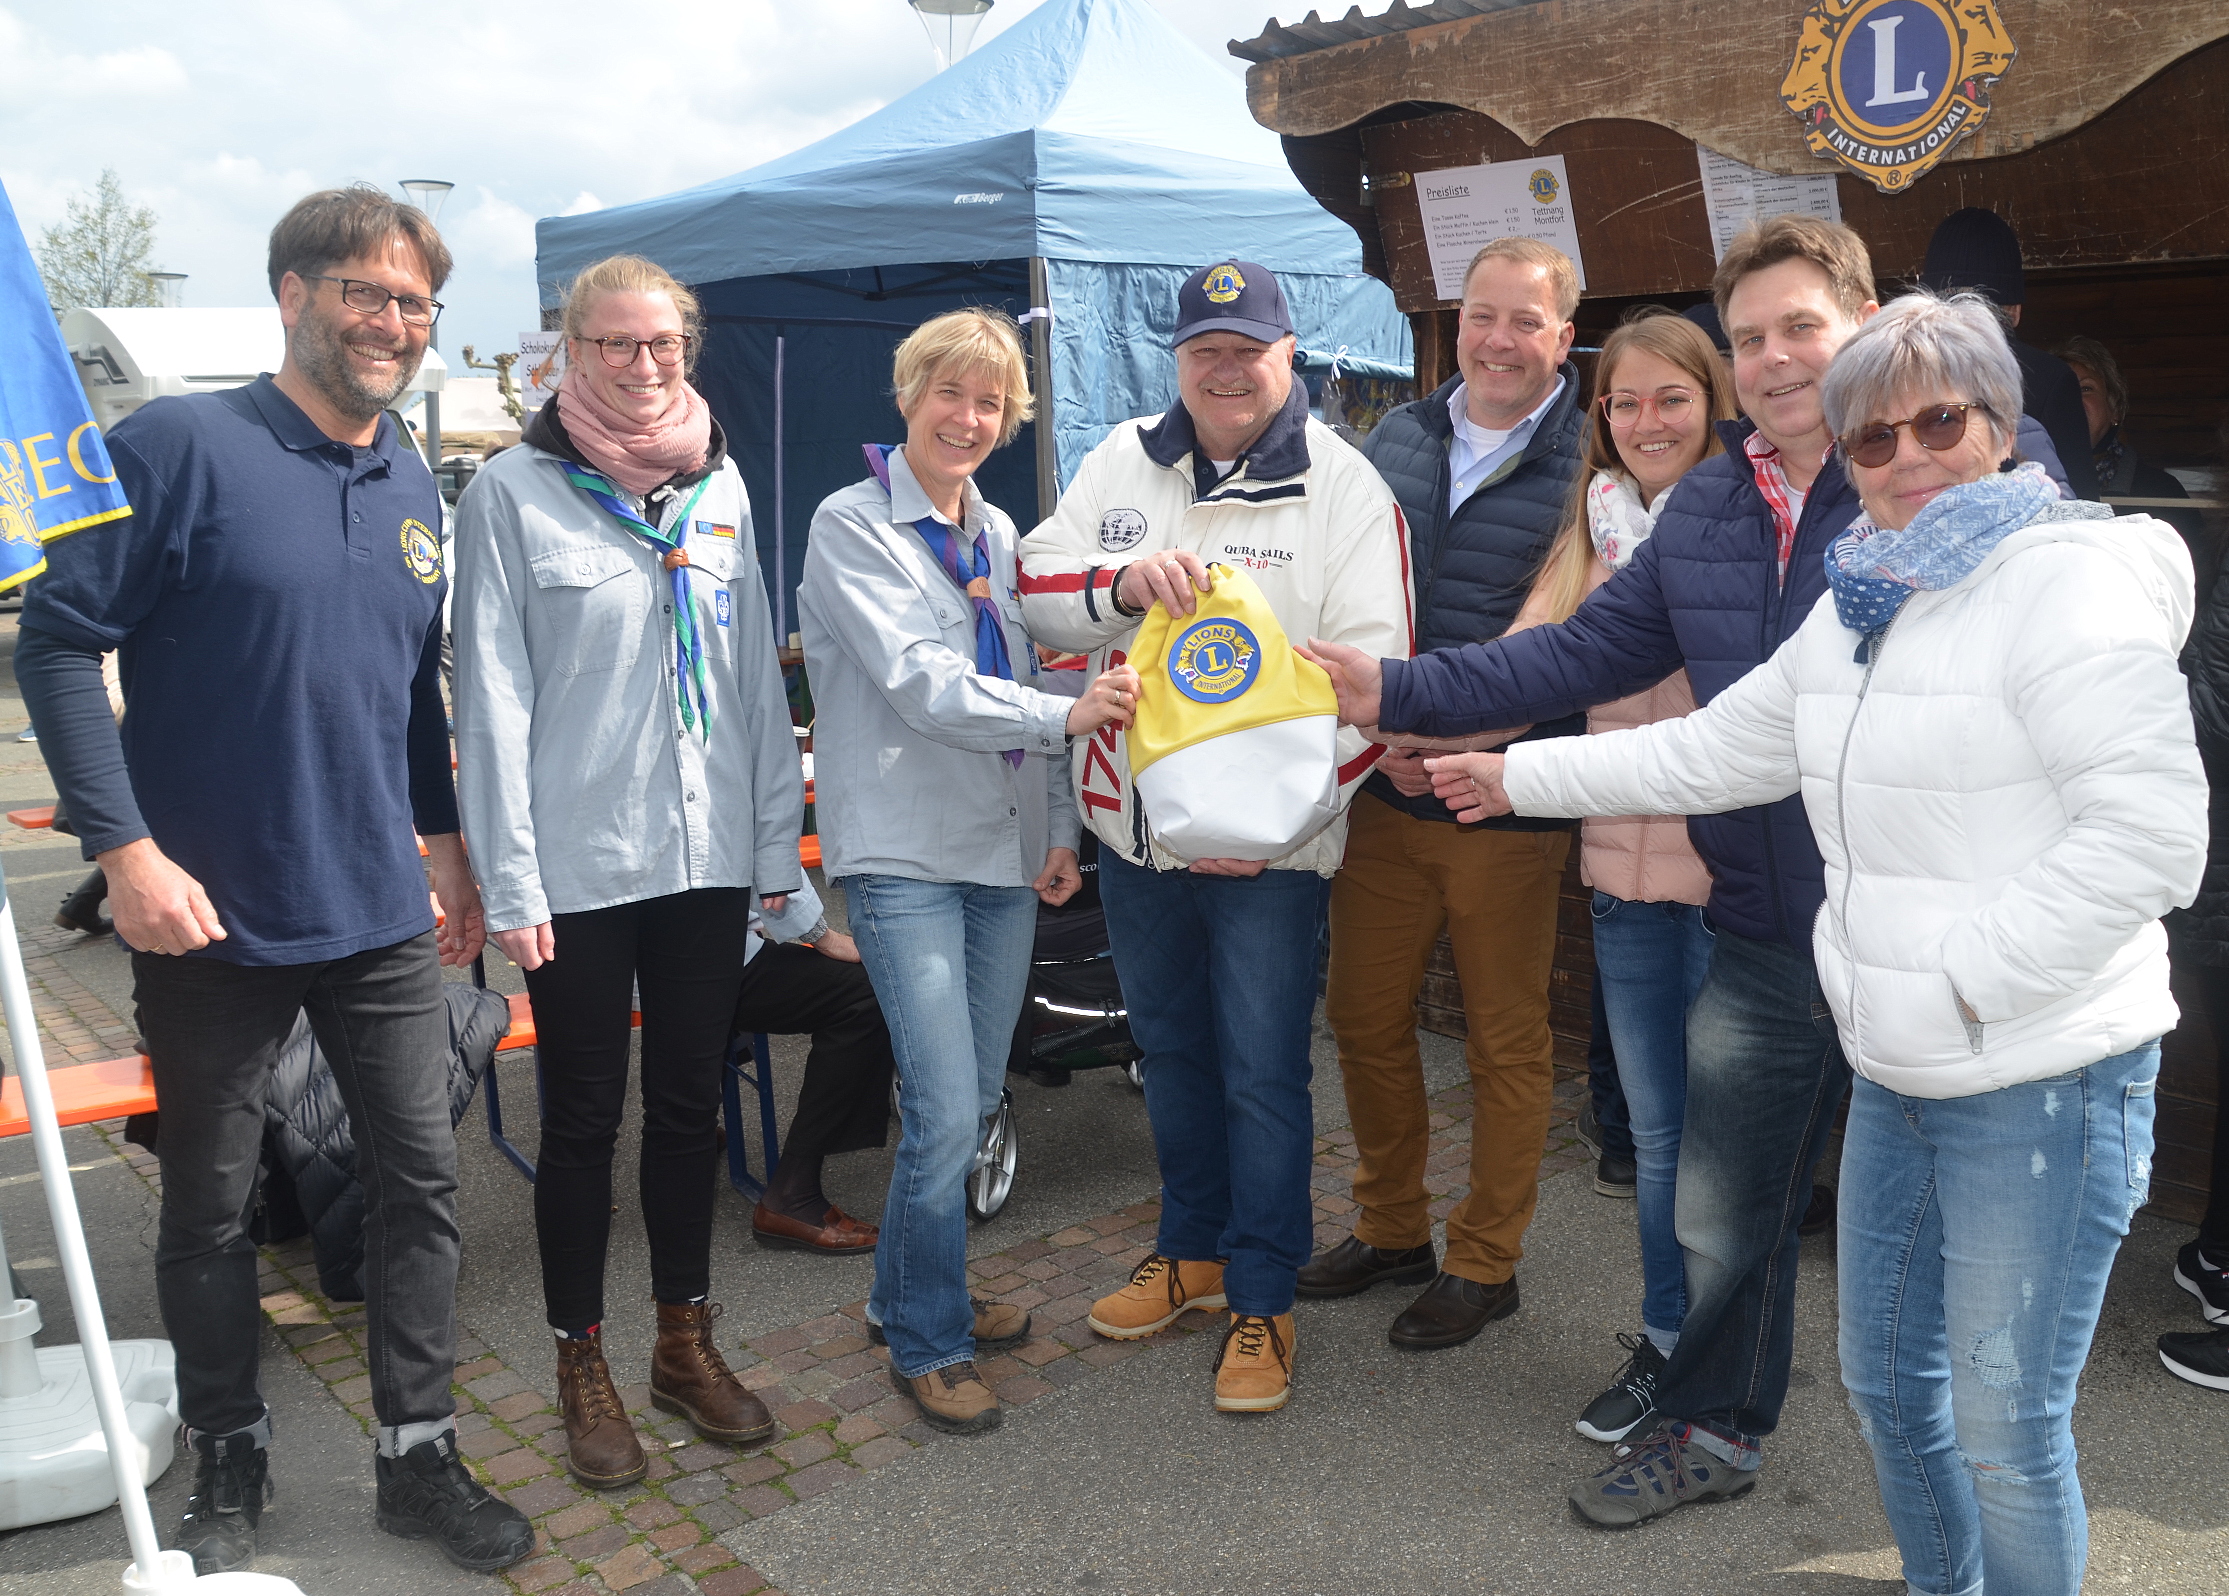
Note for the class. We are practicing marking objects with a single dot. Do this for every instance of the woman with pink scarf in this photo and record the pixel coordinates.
(632, 797)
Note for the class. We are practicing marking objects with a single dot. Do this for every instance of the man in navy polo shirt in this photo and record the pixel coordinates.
(275, 602)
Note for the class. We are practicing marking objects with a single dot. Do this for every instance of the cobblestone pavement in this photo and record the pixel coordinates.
(831, 1391)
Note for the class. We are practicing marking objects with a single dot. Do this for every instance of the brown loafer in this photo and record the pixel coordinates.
(1451, 1311)
(689, 1377)
(838, 1234)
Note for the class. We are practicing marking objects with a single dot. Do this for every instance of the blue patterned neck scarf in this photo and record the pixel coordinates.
(688, 642)
(970, 571)
(1873, 570)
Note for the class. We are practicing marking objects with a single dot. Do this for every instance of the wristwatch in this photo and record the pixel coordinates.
(819, 930)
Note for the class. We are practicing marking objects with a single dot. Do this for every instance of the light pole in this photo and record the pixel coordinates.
(427, 193)
(167, 290)
(951, 24)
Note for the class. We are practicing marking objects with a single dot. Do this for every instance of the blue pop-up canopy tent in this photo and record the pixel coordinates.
(1072, 171)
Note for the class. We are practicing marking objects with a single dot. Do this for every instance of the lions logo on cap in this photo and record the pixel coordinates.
(421, 551)
(1212, 662)
(1543, 187)
(1887, 87)
(1224, 284)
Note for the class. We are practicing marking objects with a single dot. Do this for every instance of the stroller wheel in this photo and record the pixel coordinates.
(1134, 1073)
(991, 1182)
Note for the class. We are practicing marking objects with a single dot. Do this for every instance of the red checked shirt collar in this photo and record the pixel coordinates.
(1784, 499)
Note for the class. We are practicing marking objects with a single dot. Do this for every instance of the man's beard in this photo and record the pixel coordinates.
(320, 355)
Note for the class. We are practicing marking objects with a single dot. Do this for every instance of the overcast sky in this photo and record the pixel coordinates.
(220, 115)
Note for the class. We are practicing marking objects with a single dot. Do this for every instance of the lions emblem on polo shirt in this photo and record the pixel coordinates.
(421, 551)
(1214, 661)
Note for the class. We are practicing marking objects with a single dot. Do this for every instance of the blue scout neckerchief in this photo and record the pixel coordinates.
(688, 645)
(970, 573)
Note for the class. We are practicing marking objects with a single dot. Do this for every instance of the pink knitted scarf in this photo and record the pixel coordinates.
(636, 456)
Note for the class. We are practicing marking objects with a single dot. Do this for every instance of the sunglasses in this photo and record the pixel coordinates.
(1936, 428)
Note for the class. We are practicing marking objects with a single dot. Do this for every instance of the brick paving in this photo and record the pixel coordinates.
(830, 1389)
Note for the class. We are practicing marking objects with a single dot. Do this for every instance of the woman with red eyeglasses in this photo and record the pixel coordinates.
(1993, 744)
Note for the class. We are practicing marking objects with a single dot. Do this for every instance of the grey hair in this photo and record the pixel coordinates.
(1941, 345)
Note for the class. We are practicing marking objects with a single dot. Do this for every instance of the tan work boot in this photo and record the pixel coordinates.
(600, 1445)
(1159, 1290)
(953, 1399)
(689, 1377)
(1254, 1371)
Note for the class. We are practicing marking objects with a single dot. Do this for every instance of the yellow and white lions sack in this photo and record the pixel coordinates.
(1235, 749)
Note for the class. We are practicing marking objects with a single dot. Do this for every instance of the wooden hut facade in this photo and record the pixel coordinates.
(2098, 130)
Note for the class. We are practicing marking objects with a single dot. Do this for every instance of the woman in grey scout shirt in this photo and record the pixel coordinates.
(945, 811)
(630, 784)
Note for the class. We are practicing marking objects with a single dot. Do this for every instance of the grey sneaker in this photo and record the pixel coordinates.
(1649, 1477)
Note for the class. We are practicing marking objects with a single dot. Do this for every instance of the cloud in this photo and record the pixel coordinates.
(220, 117)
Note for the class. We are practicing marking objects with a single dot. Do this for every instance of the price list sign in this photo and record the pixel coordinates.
(1468, 207)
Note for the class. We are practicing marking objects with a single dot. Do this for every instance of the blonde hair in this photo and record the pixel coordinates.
(1565, 572)
(1830, 246)
(976, 338)
(629, 274)
(1563, 277)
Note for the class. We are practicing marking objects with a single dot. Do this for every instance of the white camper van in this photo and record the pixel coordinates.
(127, 357)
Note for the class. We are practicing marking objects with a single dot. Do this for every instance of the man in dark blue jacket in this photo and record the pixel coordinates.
(1483, 471)
(1735, 564)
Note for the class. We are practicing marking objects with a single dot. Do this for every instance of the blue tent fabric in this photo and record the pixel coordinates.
(1090, 134)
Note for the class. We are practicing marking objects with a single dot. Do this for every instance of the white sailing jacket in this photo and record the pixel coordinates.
(2004, 788)
(1302, 513)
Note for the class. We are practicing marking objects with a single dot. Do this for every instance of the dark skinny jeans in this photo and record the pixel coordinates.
(687, 952)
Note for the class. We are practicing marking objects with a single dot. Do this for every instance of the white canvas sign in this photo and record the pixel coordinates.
(541, 364)
(1468, 207)
(1736, 195)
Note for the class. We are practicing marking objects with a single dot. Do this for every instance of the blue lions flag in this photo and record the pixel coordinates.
(54, 470)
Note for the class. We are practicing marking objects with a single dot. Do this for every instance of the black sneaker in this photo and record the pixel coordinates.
(1588, 1129)
(2201, 1357)
(428, 1492)
(1615, 1177)
(231, 1488)
(2209, 1286)
(1631, 1398)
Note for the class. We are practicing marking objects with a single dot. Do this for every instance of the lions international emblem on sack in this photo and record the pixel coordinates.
(1223, 285)
(421, 551)
(1886, 87)
(1212, 662)
(1121, 529)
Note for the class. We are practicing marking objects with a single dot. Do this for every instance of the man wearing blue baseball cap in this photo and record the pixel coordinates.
(1218, 956)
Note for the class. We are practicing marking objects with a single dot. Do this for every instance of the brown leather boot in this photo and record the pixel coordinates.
(600, 1445)
(689, 1377)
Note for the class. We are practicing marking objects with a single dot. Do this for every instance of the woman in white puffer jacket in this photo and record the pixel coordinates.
(1990, 735)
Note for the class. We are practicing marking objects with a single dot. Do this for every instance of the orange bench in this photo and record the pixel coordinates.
(32, 819)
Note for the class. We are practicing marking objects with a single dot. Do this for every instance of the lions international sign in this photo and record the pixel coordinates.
(1886, 87)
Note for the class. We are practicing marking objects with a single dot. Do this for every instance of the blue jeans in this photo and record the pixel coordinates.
(1977, 1234)
(1649, 961)
(1604, 1089)
(1220, 976)
(950, 963)
(1764, 1077)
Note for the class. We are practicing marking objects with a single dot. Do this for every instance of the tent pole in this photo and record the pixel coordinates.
(1041, 356)
(781, 538)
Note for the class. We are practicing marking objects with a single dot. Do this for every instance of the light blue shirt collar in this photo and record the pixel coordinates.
(1469, 467)
(909, 501)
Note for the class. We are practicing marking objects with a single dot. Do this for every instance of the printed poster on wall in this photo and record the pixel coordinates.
(1735, 195)
(541, 363)
(1468, 207)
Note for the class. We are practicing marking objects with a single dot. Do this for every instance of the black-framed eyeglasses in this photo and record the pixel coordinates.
(619, 349)
(1936, 428)
(370, 299)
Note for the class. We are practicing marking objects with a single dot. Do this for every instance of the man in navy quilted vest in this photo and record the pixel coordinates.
(1736, 562)
(1483, 470)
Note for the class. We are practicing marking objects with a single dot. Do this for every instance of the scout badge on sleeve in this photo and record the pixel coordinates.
(1235, 747)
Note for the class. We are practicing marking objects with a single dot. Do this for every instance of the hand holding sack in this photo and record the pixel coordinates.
(1234, 750)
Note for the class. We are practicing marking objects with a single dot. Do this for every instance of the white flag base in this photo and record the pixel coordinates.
(174, 1572)
(54, 1460)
